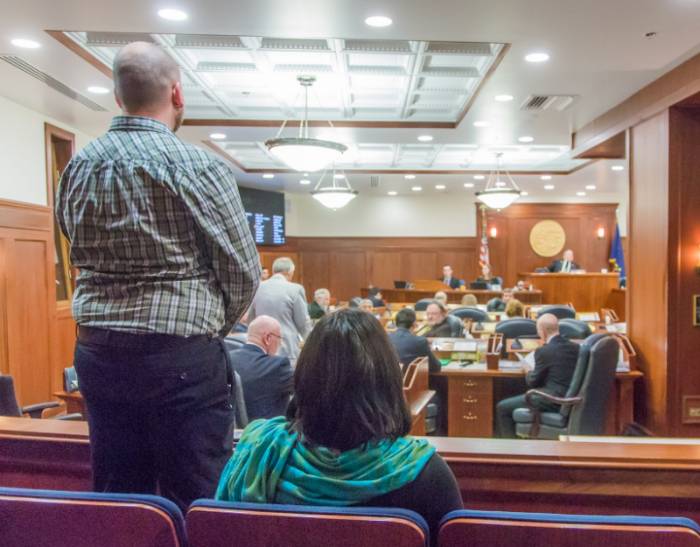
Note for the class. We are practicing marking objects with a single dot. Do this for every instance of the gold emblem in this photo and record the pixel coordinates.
(547, 238)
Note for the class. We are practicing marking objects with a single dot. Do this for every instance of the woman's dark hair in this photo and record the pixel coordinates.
(347, 384)
(405, 318)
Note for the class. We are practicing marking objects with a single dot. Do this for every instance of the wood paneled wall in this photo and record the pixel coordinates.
(512, 254)
(344, 265)
(28, 300)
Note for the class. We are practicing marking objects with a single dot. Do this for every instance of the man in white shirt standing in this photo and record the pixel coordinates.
(278, 297)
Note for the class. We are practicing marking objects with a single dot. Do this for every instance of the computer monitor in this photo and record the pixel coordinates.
(478, 285)
(400, 284)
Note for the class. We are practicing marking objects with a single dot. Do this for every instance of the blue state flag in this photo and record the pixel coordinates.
(617, 257)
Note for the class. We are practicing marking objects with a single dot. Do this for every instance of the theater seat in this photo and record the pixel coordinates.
(223, 524)
(502, 529)
(54, 518)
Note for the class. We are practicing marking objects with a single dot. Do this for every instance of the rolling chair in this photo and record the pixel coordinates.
(583, 408)
(475, 314)
(559, 311)
(422, 304)
(573, 329)
(10, 407)
(70, 380)
(516, 327)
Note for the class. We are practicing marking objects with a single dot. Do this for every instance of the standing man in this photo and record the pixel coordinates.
(278, 297)
(267, 379)
(555, 363)
(447, 279)
(566, 264)
(167, 266)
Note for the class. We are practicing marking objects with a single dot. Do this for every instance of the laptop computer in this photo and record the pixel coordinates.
(400, 284)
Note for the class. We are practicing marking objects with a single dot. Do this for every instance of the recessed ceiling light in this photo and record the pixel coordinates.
(440, 186)
(338, 176)
(590, 187)
(391, 193)
(98, 90)
(580, 194)
(409, 177)
(481, 123)
(378, 21)
(549, 187)
(425, 138)
(524, 194)
(618, 168)
(217, 136)
(25, 43)
(416, 188)
(546, 177)
(526, 138)
(503, 98)
(537, 57)
(268, 176)
(172, 14)
(469, 185)
(479, 177)
(304, 181)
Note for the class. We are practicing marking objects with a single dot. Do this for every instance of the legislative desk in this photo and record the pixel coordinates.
(453, 297)
(493, 474)
(473, 391)
(587, 292)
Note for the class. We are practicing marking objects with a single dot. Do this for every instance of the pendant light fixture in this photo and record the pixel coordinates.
(336, 193)
(303, 153)
(501, 190)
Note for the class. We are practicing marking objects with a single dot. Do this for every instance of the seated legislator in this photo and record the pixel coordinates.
(441, 297)
(499, 304)
(448, 279)
(366, 305)
(565, 264)
(514, 308)
(470, 300)
(319, 307)
(375, 295)
(555, 362)
(265, 274)
(441, 324)
(408, 345)
(520, 286)
(266, 379)
(486, 277)
(344, 441)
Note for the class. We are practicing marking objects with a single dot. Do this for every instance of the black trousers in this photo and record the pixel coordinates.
(160, 412)
(505, 425)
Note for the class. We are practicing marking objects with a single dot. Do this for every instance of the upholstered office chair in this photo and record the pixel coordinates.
(422, 304)
(70, 380)
(559, 311)
(10, 407)
(584, 407)
(456, 326)
(475, 314)
(574, 329)
(241, 415)
(517, 327)
(495, 304)
(235, 341)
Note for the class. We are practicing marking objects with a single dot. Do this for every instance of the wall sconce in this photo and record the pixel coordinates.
(697, 262)
(600, 232)
(493, 232)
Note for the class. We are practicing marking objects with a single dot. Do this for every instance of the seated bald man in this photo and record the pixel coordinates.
(267, 379)
(555, 362)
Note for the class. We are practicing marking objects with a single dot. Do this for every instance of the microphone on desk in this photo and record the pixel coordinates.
(516, 344)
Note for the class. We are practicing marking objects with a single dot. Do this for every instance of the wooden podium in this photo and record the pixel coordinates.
(588, 292)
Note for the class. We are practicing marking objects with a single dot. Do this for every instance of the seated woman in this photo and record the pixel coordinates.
(345, 438)
(515, 308)
(441, 297)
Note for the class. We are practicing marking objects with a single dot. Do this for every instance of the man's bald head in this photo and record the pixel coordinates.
(144, 79)
(265, 331)
(547, 326)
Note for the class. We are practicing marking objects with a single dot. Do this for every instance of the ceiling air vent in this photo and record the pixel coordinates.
(115, 39)
(538, 103)
(51, 82)
(374, 181)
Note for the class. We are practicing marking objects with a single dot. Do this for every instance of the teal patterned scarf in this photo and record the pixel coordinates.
(272, 465)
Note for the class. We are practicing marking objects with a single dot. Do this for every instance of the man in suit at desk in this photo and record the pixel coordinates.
(319, 307)
(267, 380)
(452, 282)
(554, 367)
(408, 345)
(566, 264)
(278, 297)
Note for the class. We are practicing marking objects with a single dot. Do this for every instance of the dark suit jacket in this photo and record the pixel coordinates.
(454, 283)
(557, 265)
(267, 381)
(316, 311)
(554, 366)
(409, 347)
(377, 302)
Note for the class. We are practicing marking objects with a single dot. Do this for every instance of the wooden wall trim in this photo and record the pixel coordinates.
(671, 88)
(25, 216)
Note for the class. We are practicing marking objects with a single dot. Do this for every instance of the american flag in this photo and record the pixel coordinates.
(484, 259)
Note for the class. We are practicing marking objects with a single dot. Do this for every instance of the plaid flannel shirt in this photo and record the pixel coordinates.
(158, 232)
